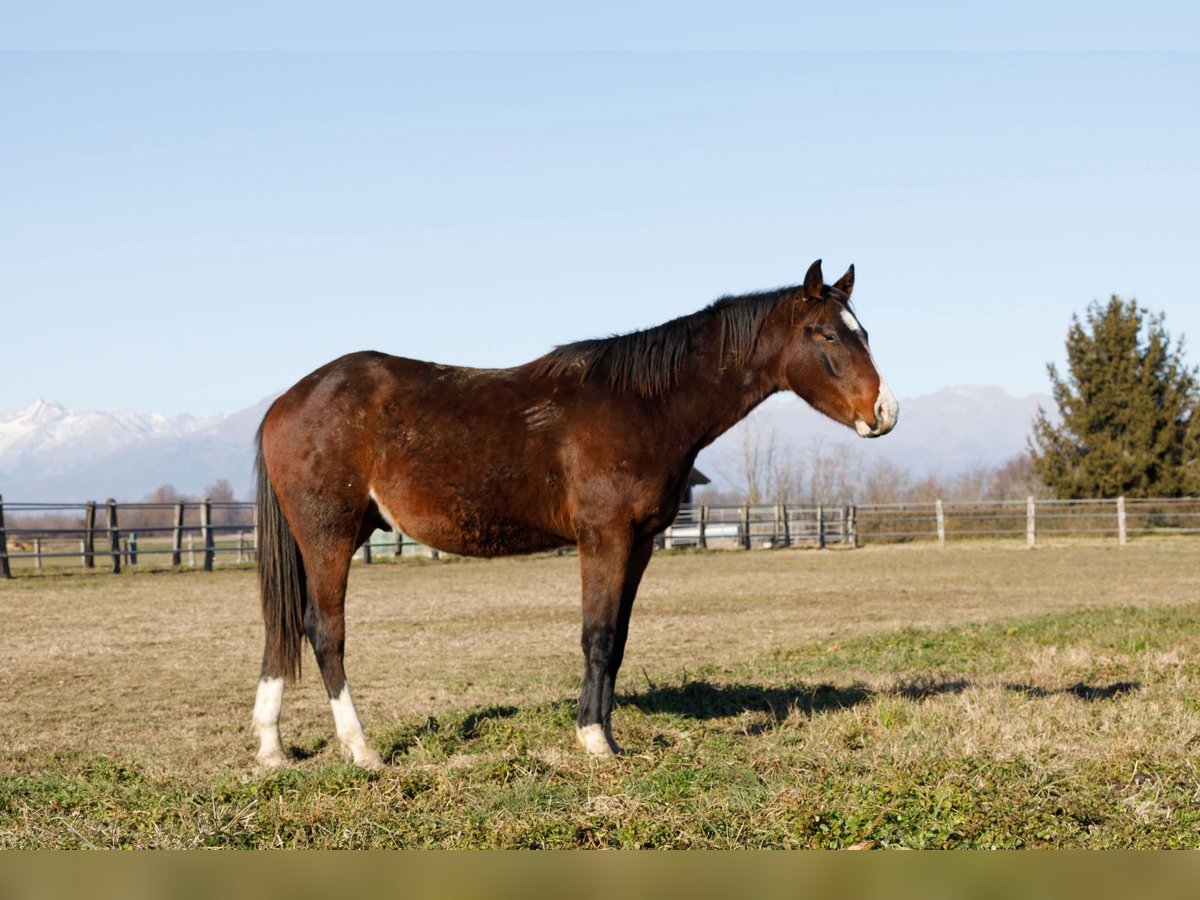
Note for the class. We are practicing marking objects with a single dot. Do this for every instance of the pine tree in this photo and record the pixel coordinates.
(1129, 403)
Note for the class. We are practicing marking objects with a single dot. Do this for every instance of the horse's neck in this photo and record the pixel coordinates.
(713, 393)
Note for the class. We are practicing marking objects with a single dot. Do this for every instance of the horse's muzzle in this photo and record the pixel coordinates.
(887, 412)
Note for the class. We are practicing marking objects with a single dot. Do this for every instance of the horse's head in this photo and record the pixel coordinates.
(828, 362)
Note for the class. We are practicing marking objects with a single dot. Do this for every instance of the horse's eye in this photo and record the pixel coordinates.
(830, 336)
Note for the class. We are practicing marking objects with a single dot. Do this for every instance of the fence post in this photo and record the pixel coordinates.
(1122, 535)
(241, 553)
(787, 525)
(1030, 528)
(746, 527)
(852, 525)
(37, 553)
(114, 536)
(367, 552)
(5, 571)
(89, 535)
(940, 512)
(399, 544)
(206, 532)
(133, 548)
(191, 542)
(177, 536)
(820, 526)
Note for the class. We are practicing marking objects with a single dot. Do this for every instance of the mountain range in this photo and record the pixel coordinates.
(48, 452)
(941, 434)
(51, 453)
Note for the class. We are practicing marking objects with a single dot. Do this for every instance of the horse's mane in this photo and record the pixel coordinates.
(648, 361)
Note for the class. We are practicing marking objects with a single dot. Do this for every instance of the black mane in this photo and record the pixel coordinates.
(648, 361)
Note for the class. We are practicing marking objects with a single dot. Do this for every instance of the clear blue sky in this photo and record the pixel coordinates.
(189, 230)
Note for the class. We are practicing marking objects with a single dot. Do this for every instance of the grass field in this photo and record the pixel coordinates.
(982, 695)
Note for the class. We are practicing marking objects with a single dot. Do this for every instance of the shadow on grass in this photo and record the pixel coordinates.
(448, 735)
(702, 700)
(1087, 692)
(296, 753)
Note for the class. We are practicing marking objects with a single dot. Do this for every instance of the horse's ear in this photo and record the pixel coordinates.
(814, 282)
(845, 284)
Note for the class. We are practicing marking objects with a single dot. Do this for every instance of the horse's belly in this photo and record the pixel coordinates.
(494, 537)
(457, 526)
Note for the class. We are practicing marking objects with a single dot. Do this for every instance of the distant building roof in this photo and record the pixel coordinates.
(696, 477)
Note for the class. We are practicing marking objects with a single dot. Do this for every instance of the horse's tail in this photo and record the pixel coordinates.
(280, 580)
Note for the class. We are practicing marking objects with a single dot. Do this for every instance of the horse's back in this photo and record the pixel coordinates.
(467, 460)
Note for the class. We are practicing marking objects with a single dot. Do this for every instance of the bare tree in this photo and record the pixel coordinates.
(219, 492)
(884, 482)
(166, 493)
(1017, 479)
(133, 519)
(832, 473)
(758, 449)
(767, 469)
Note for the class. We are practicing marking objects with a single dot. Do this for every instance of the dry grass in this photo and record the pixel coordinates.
(160, 668)
(877, 676)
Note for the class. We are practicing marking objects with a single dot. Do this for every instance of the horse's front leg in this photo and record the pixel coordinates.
(612, 567)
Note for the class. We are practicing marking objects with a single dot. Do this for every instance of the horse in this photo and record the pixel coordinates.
(588, 446)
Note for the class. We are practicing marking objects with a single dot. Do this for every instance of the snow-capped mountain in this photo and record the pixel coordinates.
(944, 433)
(50, 453)
(45, 438)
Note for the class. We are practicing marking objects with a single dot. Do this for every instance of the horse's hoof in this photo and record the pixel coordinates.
(272, 759)
(596, 741)
(372, 761)
(363, 755)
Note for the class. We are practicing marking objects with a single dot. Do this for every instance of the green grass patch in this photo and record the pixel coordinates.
(1071, 730)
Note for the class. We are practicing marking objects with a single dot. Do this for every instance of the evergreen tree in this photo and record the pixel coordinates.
(1129, 410)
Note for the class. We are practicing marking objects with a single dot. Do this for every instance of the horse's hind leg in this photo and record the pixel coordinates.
(324, 623)
(268, 703)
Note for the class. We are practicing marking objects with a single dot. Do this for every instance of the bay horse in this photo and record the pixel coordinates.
(590, 445)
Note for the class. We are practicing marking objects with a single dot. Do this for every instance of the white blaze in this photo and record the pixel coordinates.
(886, 408)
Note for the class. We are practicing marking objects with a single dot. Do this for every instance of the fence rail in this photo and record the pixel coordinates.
(937, 521)
(206, 533)
(193, 533)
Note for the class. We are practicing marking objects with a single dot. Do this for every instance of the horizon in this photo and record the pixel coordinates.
(194, 231)
(219, 415)
(128, 454)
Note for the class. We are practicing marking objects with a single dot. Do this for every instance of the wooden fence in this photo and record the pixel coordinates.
(203, 534)
(937, 521)
(194, 533)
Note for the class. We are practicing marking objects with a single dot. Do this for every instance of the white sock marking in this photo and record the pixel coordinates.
(349, 730)
(597, 740)
(268, 703)
(591, 738)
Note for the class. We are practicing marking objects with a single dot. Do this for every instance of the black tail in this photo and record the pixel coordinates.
(280, 581)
